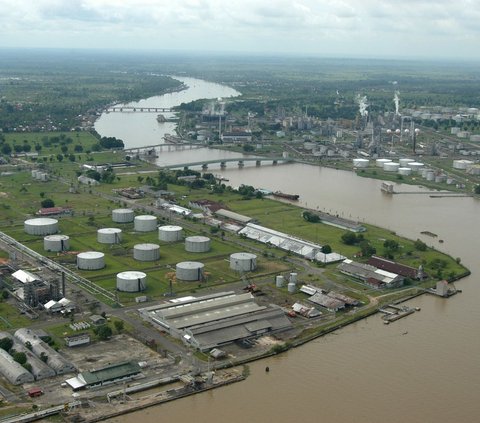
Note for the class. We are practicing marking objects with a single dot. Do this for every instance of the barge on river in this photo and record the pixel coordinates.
(293, 197)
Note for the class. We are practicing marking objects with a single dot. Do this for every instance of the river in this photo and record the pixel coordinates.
(367, 372)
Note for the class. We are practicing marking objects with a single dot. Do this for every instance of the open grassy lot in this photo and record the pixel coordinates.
(10, 317)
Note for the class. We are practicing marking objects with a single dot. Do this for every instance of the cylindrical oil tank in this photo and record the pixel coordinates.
(146, 252)
(170, 233)
(441, 178)
(91, 260)
(145, 223)
(131, 281)
(424, 172)
(430, 176)
(462, 164)
(123, 215)
(381, 162)
(279, 281)
(197, 244)
(41, 226)
(293, 278)
(361, 162)
(415, 166)
(405, 171)
(109, 235)
(292, 287)
(404, 162)
(189, 270)
(243, 262)
(391, 167)
(34, 173)
(56, 243)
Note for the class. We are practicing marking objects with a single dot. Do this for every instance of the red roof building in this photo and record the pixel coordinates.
(391, 266)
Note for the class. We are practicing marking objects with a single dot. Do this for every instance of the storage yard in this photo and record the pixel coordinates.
(121, 298)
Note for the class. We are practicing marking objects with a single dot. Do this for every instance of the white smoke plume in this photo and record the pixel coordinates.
(362, 105)
(396, 100)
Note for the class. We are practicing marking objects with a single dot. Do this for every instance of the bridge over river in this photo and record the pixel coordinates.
(223, 162)
(151, 149)
(130, 109)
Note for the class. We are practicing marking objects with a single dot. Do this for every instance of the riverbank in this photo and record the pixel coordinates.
(126, 405)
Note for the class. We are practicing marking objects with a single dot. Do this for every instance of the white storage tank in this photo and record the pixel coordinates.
(109, 235)
(293, 278)
(404, 162)
(381, 162)
(197, 244)
(430, 176)
(292, 287)
(123, 215)
(91, 260)
(391, 167)
(41, 226)
(131, 281)
(145, 223)
(440, 179)
(415, 166)
(462, 164)
(189, 270)
(279, 281)
(170, 233)
(243, 262)
(362, 163)
(424, 172)
(56, 243)
(146, 252)
(405, 171)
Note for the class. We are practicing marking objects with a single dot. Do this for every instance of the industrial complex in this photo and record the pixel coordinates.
(215, 320)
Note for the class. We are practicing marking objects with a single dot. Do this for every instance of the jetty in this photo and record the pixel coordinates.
(443, 289)
(392, 312)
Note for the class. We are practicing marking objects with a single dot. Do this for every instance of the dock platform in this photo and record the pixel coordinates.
(392, 312)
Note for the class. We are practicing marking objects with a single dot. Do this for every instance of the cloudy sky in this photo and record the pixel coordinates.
(357, 28)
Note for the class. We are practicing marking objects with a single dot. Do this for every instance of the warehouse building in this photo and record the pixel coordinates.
(394, 267)
(218, 319)
(286, 242)
(14, 372)
(41, 349)
(38, 368)
(108, 375)
(233, 216)
(371, 275)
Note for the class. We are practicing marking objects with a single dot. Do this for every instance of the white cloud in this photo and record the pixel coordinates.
(313, 26)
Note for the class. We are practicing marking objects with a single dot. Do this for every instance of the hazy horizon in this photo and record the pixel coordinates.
(410, 30)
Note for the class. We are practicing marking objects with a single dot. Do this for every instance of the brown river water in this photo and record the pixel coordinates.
(367, 372)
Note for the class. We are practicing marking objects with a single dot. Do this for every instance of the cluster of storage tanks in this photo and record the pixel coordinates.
(403, 166)
(292, 282)
(407, 167)
(39, 175)
(133, 281)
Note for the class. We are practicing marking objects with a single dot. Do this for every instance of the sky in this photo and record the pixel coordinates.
(430, 29)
